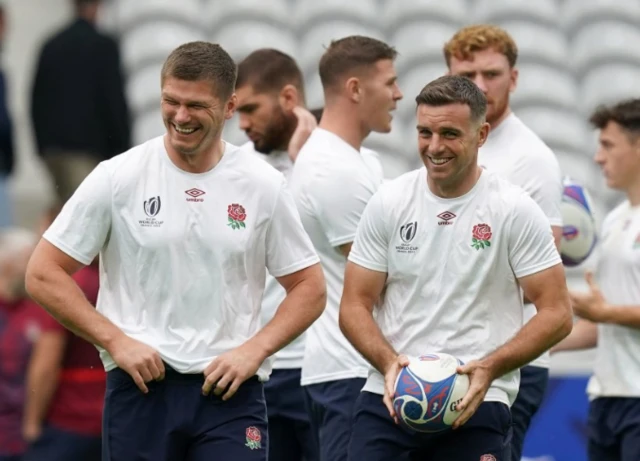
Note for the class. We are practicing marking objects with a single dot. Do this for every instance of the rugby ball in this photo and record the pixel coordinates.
(426, 392)
(578, 224)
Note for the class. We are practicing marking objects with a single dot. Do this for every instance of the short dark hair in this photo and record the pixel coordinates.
(80, 3)
(625, 113)
(268, 69)
(349, 54)
(453, 89)
(202, 61)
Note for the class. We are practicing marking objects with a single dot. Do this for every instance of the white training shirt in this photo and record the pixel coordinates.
(445, 292)
(515, 152)
(176, 271)
(332, 183)
(289, 357)
(617, 361)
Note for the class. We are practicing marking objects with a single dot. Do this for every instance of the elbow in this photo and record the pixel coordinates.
(34, 277)
(317, 293)
(343, 321)
(565, 325)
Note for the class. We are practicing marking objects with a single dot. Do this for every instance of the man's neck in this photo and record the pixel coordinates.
(196, 163)
(345, 124)
(633, 194)
(496, 123)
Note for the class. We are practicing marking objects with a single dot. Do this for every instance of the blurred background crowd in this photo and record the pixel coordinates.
(80, 82)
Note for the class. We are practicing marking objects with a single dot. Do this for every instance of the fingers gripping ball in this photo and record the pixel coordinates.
(426, 392)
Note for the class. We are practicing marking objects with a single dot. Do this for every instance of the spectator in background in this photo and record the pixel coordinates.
(21, 323)
(65, 387)
(78, 106)
(6, 141)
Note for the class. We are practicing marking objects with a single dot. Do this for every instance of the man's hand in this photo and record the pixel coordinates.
(390, 375)
(592, 305)
(480, 378)
(230, 370)
(306, 124)
(142, 362)
(31, 432)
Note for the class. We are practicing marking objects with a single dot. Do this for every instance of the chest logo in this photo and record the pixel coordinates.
(446, 217)
(152, 206)
(481, 236)
(407, 233)
(195, 195)
(237, 215)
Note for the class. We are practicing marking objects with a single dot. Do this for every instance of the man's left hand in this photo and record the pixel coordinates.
(229, 370)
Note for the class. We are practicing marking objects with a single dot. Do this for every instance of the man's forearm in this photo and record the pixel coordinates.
(583, 336)
(40, 387)
(627, 316)
(59, 294)
(301, 307)
(543, 331)
(359, 327)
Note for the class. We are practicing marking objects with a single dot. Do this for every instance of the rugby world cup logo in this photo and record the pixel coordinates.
(152, 206)
(408, 231)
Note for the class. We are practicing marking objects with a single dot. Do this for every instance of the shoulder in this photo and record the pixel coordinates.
(532, 151)
(506, 195)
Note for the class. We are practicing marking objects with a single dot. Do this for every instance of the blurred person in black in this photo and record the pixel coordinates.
(6, 140)
(78, 106)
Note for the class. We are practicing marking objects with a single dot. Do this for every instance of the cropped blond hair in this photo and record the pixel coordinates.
(471, 39)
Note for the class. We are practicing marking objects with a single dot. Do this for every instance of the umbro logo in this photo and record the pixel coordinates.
(446, 217)
(195, 195)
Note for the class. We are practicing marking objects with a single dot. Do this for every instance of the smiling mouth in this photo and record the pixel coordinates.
(184, 130)
(440, 161)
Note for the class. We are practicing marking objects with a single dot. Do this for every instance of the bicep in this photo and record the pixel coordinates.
(547, 289)
(362, 286)
(312, 273)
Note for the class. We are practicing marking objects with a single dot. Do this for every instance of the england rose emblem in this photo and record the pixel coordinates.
(481, 236)
(254, 438)
(237, 215)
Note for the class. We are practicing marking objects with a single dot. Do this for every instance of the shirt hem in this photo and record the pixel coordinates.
(367, 264)
(296, 267)
(66, 249)
(538, 267)
(306, 381)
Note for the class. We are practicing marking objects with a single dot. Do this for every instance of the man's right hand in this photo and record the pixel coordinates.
(390, 375)
(142, 362)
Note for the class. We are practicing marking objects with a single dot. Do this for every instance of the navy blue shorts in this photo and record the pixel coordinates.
(175, 422)
(614, 429)
(331, 406)
(290, 437)
(61, 445)
(533, 385)
(376, 437)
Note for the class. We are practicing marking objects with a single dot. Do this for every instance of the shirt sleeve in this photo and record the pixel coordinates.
(371, 246)
(340, 199)
(288, 247)
(82, 227)
(531, 245)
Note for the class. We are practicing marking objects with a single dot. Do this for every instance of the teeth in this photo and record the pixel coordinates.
(440, 161)
(184, 130)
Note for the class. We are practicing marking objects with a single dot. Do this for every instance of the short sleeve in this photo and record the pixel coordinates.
(371, 246)
(82, 227)
(288, 247)
(341, 199)
(531, 245)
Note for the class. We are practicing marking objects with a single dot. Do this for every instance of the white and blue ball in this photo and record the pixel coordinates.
(426, 393)
(579, 234)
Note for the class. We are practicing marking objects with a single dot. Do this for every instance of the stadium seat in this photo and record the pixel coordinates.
(308, 13)
(538, 42)
(496, 11)
(560, 129)
(220, 12)
(545, 85)
(152, 42)
(577, 13)
(411, 82)
(239, 38)
(399, 13)
(131, 14)
(608, 84)
(143, 88)
(318, 37)
(148, 125)
(603, 42)
(421, 41)
(313, 90)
